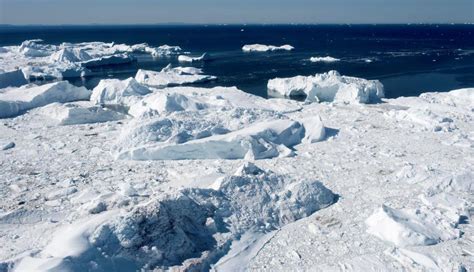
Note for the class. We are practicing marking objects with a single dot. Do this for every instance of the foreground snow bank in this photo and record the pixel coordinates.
(171, 77)
(185, 229)
(328, 87)
(266, 48)
(17, 101)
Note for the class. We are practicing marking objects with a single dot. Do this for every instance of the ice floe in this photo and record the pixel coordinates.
(327, 59)
(328, 87)
(266, 48)
(185, 58)
(17, 101)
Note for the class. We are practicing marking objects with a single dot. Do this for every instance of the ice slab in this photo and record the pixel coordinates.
(169, 77)
(16, 101)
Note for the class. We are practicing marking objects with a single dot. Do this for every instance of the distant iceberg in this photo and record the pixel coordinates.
(171, 77)
(324, 59)
(266, 48)
(184, 58)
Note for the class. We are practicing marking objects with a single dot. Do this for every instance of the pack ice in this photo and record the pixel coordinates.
(328, 87)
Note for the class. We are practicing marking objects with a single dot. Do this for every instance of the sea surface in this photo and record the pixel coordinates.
(407, 59)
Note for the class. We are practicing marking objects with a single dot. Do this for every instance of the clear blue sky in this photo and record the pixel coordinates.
(231, 11)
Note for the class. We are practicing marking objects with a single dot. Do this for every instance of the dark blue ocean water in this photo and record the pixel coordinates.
(408, 59)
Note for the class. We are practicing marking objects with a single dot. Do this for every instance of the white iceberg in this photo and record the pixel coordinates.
(328, 87)
(16, 101)
(259, 141)
(327, 59)
(169, 77)
(70, 55)
(164, 50)
(118, 93)
(108, 60)
(83, 112)
(266, 48)
(185, 58)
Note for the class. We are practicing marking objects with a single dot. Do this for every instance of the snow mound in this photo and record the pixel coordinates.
(409, 227)
(425, 118)
(266, 48)
(261, 140)
(327, 59)
(185, 229)
(83, 112)
(184, 58)
(118, 93)
(328, 87)
(16, 101)
(170, 77)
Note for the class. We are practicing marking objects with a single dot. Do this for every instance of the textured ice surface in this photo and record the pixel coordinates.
(170, 77)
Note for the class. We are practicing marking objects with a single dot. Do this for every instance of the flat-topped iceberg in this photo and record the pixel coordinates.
(266, 48)
(170, 77)
(328, 87)
(16, 101)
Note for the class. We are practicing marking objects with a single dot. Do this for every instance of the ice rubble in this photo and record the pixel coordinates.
(82, 112)
(171, 77)
(266, 48)
(185, 229)
(17, 101)
(327, 59)
(328, 87)
(185, 58)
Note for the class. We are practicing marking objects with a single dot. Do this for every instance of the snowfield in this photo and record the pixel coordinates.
(144, 176)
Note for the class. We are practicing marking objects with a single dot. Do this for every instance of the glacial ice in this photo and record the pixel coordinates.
(266, 48)
(17, 101)
(169, 77)
(83, 112)
(117, 93)
(328, 87)
(185, 58)
(327, 59)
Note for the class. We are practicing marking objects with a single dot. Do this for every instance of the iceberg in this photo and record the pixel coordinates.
(82, 112)
(324, 59)
(266, 48)
(16, 101)
(70, 55)
(169, 77)
(328, 87)
(108, 60)
(184, 58)
(118, 93)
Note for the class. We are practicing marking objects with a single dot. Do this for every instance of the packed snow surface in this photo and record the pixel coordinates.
(328, 87)
(266, 48)
(141, 176)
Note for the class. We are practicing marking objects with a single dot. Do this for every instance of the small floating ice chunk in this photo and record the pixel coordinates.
(16, 101)
(83, 112)
(409, 227)
(327, 59)
(266, 48)
(184, 58)
(328, 87)
(169, 77)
